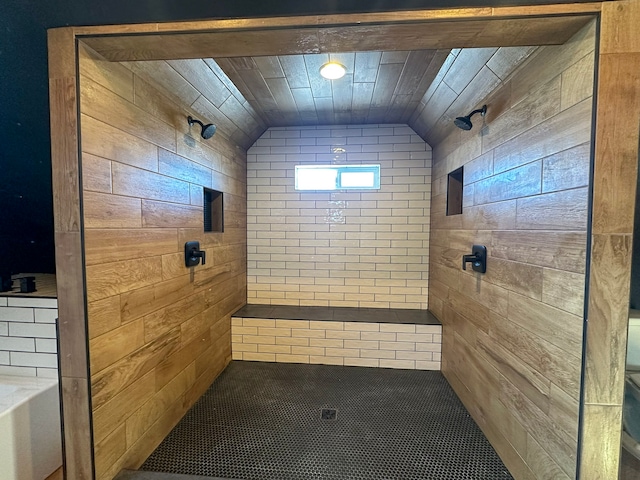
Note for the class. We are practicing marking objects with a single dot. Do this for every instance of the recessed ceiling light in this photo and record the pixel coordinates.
(333, 70)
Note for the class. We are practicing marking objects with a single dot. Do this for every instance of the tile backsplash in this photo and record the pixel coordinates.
(342, 248)
(28, 336)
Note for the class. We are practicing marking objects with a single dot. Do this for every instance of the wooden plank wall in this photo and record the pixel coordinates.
(72, 334)
(615, 174)
(159, 332)
(512, 338)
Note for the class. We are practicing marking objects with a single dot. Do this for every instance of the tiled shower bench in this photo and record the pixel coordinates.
(365, 337)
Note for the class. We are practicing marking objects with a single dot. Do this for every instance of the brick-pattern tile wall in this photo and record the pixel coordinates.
(343, 249)
(28, 336)
(384, 345)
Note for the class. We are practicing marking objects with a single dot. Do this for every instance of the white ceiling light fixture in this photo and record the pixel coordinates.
(333, 70)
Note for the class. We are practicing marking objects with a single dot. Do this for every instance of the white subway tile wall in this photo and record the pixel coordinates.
(28, 336)
(383, 345)
(340, 249)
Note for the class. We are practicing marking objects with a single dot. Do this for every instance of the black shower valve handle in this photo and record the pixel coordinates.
(475, 259)
(193, 254)
(478, 259)
(202, 254)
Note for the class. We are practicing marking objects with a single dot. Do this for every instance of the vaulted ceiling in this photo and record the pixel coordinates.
(404, 73)
(378, 87)
(425, 89)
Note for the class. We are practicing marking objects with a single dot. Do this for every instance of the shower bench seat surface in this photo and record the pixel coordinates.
(341, 314)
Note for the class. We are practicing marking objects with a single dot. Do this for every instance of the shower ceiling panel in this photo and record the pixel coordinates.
(379, 87)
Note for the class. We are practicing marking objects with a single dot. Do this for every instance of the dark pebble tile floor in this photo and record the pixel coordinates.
(294, 421)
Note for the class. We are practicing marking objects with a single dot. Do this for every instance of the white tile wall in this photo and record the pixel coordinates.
(347, 249)
(383, 345)
(28, 336)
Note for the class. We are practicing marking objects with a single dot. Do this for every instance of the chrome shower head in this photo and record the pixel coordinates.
(207, 130)
(465, 122)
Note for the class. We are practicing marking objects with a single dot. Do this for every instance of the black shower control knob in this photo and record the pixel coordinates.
(477, 259)
(193, 254)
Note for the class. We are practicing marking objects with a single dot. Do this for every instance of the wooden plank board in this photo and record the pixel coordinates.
(505, 59)
(145, 415)
(107, 279)
(137, 183)
(166, 77)
(142, 301)
(563, 250)
(96, 173)
(104, 315)
(109, 245)
(109, 382)
(559, 289)
(466, 66)
(103, 140)
(203, 79)
(552, 362)
(518, 277)
(77, 428)
(618, 86)
(534, 386)
(554, 325)
(102, 104)
(600, 422)
(565, 210)
(115, 344)
(114, 413)
(166, 215)
(540, 105)
(171, 317)
(115, 76)
(111, 211)
(560, 133)
(545, 63)
(176, 166)
(567, 169)
(612, 256)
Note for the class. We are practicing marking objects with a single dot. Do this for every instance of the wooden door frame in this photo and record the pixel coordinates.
(615, 153)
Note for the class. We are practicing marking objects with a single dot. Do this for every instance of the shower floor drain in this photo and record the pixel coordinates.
(329, 413)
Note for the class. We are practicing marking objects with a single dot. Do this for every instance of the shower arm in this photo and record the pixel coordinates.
(482, 111)
(192, 120)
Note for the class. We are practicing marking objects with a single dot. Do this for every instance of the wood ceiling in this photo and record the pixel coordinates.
(246, 81)
(379, 87)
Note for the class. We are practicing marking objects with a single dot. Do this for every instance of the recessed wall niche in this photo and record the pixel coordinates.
(213, 211)
(454, 192)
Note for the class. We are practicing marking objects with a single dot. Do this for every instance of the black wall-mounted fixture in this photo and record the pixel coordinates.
(27, 284)
(193, 254)
(6, 282)
(207, 130)
(478, 259)
(465, 122)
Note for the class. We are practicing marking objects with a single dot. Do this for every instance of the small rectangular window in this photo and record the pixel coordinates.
(337, 177)
(454, 192)
(213, 211)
